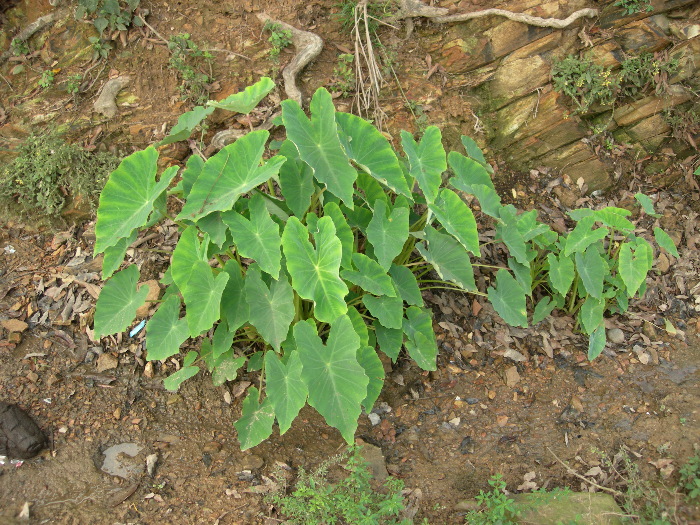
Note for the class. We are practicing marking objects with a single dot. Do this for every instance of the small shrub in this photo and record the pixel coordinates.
(117, 15)
(72, 86)
(585, 82)
(279, 38)
(47, 170)
(640, 73)
(344, 75)
(498, 507)
(19, 47)
(188, 60)
(632, 7)
(353, 499)
(100, 48)
(690, 477)
(47, 78)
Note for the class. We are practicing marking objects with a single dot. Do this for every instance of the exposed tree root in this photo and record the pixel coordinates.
(416, 8)
(308, 47)
(38, 25)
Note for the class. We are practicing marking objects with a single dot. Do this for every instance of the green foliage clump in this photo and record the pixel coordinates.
(351, 500)
(189, 60)
(344, 75)
(117, 15)
(690, 478)
(48, 169)
(632, 7)
(100, 48)
(321, 253)
(498, 508)
(47, 78)
(279, 38)
(19, 47)
(588, 83)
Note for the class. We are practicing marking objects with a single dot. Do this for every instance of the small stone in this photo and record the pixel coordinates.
(14, 325)
(375, 459)
(649, 330)
(148, 370)
(106, 362)
(512, 376)
(616, 336)
(374, 418)
(15, 337)
(212, 447)
(662, 263)
(151, 462)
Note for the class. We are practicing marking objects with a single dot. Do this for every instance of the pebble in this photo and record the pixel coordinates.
(106, 362)
(616, 336)
(512, 376)
(374, 418)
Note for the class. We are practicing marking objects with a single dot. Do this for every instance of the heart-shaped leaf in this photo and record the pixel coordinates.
(448, 257)
(390, 339)
(297, 185)
(187, 253)
(244, 101)
(271, 308)
(374, 370)
(387, 233)
(128, 196)
(634, 265)
(508, 299)
(234, 302)
(165, 332)
(203, 297)
(389, 310)
(369, 276)
(420, 338)
(318, 144)
(561, 272)
(186, 124)
(337, 383)
(315, 271)
(256, 421)
(427, 160)
(592, 268)
(118, 302)
(664, 240)
(114, 255)
(285, 388)
(406, 285)
(583, 236)
(456, 217)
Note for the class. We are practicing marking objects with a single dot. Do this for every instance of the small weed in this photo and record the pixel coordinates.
(585, 82)
(279, 38)
(117, 15)
(684, 122)
(690, 478)
(498, 507)
(351, 500)
(419, 114)
(188, 60)
(19, 47)
(633, 7)
(344, 75)
(640, 72)
(72, 87)
(47, 78)
(376, 11)
(100, 48)
(48, 169)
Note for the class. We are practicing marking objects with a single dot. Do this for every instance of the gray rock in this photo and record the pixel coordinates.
(124, 461)
(551, 508)
(20, 436)
(616, 336)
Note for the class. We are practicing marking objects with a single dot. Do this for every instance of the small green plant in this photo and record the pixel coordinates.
(47, 78)
(690, 478)
(189, 61)
(100, 48)
(353, 499)
(117, 15)
(47, 169)
(498, 508)
(376, 12)
(19, 47)
(279, 38)
(344, 75)
(321, 253)
(72, 86)
(585, 82)
(632, 7)
(640, 72)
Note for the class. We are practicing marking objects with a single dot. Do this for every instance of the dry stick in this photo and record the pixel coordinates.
(572, 471)
(38, 25)
(308, 47)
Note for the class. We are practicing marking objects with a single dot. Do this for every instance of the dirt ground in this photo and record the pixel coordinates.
(504, 400)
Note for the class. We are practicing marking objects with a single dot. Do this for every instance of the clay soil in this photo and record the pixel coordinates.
(484, 411)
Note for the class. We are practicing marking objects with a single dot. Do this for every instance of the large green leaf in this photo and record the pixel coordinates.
(297, 185)
(256, 420)
(203, 297)
(116, 307)
(358, 323)
(127, 199)
(427, 160)
(369, 276)
(420, 342)
(235, 170)
(469, 171)
(507, 230)
(591, 268)
(508, 299)
(257, 238)
(596, 342)
(337, 383)
(271, 308)
(371, 151)
(193, 168)
(488, 199)
(390, 339)
(543, 308)
(634, 265)
(591, 313)
(342, 231)
(244, 101)
(583, 236)
(389, 310)
(314, 271)
(285, 388)
(663, 239)
(369, 360)
(387, 233)
(114, 255)
(406, 285)
(448, 257)
(187, 253)
(318, 144)
(457, 219)
(214, 226)
(647, 204)
(474, 152)
(613, 218)
(165, 332)
(234, 302)
(186, 124)
(173, 381)
(561, 272)
(226, 368)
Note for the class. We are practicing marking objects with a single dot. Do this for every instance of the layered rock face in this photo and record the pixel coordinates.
(507, 66)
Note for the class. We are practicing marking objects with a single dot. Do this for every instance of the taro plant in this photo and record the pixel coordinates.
(117, 15)
(302, 266)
